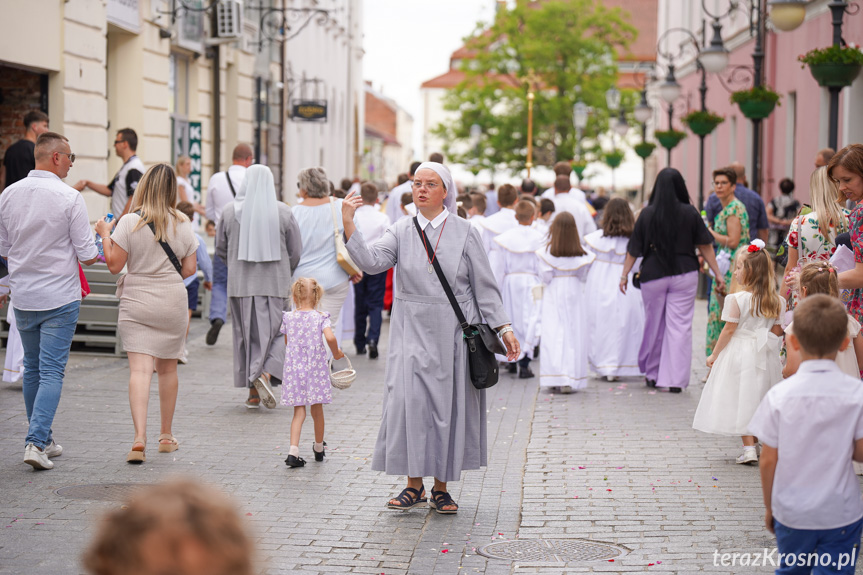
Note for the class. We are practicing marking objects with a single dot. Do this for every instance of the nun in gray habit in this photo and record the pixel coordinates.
(259, 240)
(434, 419)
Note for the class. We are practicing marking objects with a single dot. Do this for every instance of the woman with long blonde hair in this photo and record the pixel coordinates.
(156, 243)
(812, 236)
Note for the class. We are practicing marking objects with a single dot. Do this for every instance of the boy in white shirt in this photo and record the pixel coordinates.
(811, 427)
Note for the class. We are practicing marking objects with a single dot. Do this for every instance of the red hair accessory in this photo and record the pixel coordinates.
(753, 249)
(755, 246)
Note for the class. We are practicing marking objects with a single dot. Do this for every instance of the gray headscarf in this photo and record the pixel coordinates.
(448, 183)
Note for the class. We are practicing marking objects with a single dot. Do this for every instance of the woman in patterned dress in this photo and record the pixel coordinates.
(812, 236)
(729, 226)
(846, 169)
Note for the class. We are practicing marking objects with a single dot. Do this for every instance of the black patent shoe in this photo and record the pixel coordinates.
(675, 389)
(373, 350)
(319, 456)
(650, 382)
(525, 373)
(293, 461)
(512, 368)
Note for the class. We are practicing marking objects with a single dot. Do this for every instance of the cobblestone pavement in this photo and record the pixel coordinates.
(616, 463)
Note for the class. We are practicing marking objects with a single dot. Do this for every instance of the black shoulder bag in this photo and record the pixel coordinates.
(172, 257)
(482, 341)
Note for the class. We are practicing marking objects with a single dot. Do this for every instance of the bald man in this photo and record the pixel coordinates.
(44, 233)
(759, 225)
(823, 157)
(221, 189)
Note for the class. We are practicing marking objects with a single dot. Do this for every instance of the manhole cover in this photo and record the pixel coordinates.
(553, 550)
(101, 491)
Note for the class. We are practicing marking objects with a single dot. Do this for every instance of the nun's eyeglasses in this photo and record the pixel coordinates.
(430, 186)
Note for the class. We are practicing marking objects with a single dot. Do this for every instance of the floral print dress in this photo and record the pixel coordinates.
(805, 236)
(306, 377)
(855, 300)
(720, 225)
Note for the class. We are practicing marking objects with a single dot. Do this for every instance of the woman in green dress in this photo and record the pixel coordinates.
(729, 227)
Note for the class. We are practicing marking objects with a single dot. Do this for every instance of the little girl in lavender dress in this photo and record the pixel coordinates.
(306, 377)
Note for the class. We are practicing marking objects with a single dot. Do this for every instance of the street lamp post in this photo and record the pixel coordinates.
(612, 100)
(642, 114)
(837, 11)
(530, 79)
(579, 121)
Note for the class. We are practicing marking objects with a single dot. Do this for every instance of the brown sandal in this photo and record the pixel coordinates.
(136, 455)
(171, 446)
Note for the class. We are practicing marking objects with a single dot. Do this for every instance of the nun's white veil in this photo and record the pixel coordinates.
(256, 208)
(448, 183)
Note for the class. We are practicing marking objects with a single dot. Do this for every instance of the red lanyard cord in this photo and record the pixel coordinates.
(434, 253)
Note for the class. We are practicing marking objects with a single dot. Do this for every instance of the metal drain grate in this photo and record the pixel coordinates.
(553, 550)
(101, 491)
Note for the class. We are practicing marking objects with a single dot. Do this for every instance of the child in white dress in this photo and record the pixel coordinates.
(820, 277)
(306, 377)
(616, 319)
(745, 361)
(516, 252)
(563, 345)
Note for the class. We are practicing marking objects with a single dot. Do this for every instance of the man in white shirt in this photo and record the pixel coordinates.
(811, 427)
(394, 200)
(122, 187)
(564, 169)
(564, 201)
(44, 233)
(369, 291)
(221, 189)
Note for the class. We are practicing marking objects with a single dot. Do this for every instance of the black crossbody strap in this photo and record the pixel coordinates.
(172, 257)
(444, 283)
(230, 184)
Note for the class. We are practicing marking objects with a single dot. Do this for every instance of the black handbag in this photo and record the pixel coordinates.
(482, 341)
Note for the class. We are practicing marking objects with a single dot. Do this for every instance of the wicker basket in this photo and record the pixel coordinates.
(344, 378)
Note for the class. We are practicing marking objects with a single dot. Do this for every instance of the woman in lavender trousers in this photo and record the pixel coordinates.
(666, 235)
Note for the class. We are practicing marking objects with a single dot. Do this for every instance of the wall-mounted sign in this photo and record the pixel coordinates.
(125, 14)
(309, 111)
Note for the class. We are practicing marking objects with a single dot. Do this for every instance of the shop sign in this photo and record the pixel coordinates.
(309, 111)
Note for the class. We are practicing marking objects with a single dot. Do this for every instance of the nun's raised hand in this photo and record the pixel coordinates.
(513, 350)
(350, 204)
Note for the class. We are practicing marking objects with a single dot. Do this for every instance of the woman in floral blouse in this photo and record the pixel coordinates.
(846, 169)
(812, 235)
(730, 225)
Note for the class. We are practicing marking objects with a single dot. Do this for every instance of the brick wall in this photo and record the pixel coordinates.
(20, 92)
(380, 115)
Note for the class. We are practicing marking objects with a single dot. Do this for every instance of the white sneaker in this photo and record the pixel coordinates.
(566, 389)
(749, 456)
(36, 458)
(54, 450)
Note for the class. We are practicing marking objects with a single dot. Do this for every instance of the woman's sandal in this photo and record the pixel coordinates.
(171, 446)
(408, 499)
(441, 499)
(136, 455)
(265, 392)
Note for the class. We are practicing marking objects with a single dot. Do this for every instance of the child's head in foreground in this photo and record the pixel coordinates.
(820, 327)
(307, 292)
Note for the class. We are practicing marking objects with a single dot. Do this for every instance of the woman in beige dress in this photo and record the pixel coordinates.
(153, 302)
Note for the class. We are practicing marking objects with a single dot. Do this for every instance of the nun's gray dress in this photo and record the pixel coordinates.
(258, 293)
(434, 419)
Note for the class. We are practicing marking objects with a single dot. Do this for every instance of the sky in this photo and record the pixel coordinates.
(407, 42)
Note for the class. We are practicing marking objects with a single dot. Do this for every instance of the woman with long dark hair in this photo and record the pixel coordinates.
(666, 235)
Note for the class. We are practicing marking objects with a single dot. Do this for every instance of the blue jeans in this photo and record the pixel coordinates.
(46, 337)
(219, 301)
(820, 542)
(368, 303)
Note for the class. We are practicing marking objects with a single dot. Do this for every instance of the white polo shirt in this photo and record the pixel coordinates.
(813, 418)
(371, 222)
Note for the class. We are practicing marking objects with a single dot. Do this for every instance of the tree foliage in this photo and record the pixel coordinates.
(566, 43)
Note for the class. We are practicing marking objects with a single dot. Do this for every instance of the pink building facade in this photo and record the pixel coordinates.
(794, 132)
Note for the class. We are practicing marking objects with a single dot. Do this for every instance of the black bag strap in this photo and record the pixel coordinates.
(172, 257)
(230, 184)
(443, 282)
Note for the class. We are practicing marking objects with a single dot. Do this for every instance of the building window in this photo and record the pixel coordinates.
(178, 86)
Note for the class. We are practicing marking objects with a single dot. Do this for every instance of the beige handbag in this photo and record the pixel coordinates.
(342, 255)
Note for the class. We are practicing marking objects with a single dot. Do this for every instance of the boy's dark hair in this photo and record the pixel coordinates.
(186, 208)
(562, 169)
(507, 195)
(465, 200)
(210, 223)
(820, 324)
(728, 173)
(528, 186)
(129, 136)
(402, 178)
(345, 184)
(479, 201)
(524, 211)
(34, 116)
(786, 185)
(436, 157)
(369, 193)
(546, 206)
(407, 198)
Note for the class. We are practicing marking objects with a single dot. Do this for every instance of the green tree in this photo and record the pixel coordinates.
(567, 43)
